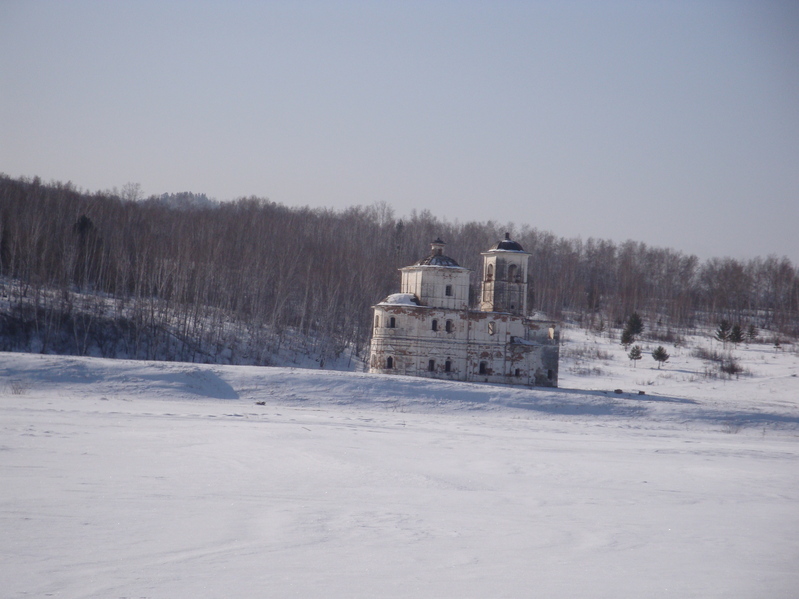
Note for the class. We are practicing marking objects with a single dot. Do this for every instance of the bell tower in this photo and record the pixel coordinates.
(504, 286)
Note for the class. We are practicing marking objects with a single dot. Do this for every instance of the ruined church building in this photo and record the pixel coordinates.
(428, 329)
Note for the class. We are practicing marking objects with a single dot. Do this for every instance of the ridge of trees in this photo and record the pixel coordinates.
(185, 261)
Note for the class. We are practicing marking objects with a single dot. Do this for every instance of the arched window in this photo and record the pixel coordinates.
(448, 366)
(431, 365)
(448, 327)
(389, 362)
(490, 272)
(483, 368)
(448, 290)
(512, 269)
(435, 324)
(392, 323)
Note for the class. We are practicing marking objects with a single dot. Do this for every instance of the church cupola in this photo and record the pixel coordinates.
(437, 257)
(437, 280)
(508, 244)
(504, 285)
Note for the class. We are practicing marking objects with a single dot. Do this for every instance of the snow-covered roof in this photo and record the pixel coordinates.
(437, 260)
(540, 317)
(507, 245)
(401, 299)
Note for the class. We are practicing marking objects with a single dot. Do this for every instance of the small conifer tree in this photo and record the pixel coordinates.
(635, 354)
(751, 333)
(723, 331)
(660, 355)
(627, 338)
(634, 324)
(736, 334)
(632, 328)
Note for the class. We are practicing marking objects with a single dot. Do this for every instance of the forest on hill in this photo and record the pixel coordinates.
(170, 278)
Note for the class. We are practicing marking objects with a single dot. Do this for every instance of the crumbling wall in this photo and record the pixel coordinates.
(477, 346)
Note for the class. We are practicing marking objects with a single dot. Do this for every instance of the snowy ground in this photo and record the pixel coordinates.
(168, 480)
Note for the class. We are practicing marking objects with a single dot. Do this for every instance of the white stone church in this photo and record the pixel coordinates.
(428, 329)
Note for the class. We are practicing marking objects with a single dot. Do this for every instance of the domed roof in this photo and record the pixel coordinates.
(437, 260)
(507, 244)
(437, 257)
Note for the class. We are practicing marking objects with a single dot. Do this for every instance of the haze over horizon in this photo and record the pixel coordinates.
(675, 124)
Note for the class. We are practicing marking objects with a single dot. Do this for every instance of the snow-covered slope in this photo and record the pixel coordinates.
(143, 479)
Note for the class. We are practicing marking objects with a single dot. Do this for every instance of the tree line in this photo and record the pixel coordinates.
(196, 278)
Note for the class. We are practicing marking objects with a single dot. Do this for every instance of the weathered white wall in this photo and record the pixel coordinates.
(429, 284)
(516, 343)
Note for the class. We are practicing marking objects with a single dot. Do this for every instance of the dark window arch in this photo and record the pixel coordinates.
(389, 362)
(483, 368)
(490, 272)
(431, 365)
(448, 326)
(435, 324)
(392, 323)
(512, 272)
(448, 366)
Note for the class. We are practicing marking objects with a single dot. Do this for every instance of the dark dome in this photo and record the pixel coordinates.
(437, 257)
(437, 260)
(508, 244)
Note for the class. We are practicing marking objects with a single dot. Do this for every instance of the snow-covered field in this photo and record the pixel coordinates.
(170, 480)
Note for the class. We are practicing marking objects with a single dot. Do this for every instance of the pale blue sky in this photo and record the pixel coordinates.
(673, 123)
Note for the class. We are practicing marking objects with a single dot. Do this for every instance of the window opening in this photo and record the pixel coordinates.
(377, 321)
(392, 323)
(550, 374)
(447, 366)
(512, 273)
(483, 368)
(448, 326)
(431, 365)
(448, 290)
(435, 324)
(518, 372)
(490, 272)
(389, 362)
